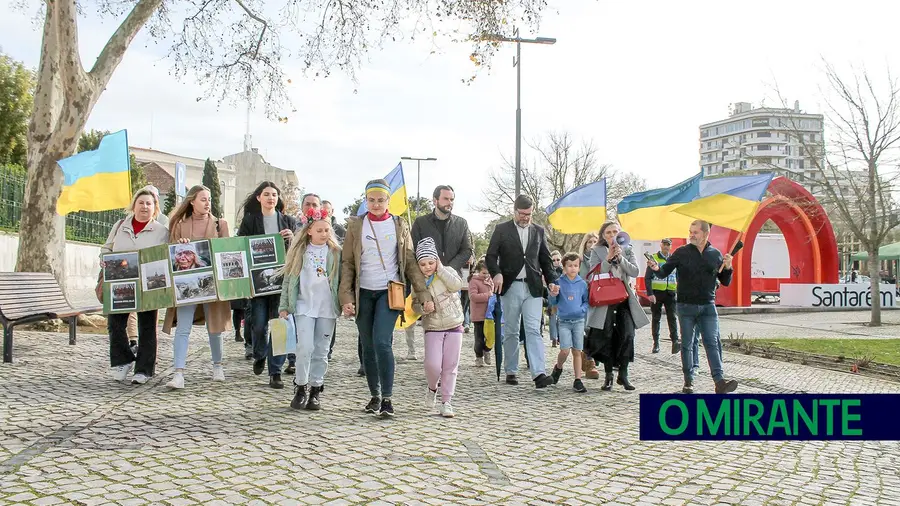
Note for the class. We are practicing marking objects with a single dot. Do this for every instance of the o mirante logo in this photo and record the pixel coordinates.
(769, 416)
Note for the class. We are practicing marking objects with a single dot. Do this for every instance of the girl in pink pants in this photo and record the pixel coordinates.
(442, 321)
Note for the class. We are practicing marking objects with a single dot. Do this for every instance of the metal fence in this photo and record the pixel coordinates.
(92, 227)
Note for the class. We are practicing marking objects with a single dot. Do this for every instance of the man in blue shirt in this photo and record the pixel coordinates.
(699, 265)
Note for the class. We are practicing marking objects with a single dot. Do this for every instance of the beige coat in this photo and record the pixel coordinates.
(220, 311)
(444, 290)
(352, 253)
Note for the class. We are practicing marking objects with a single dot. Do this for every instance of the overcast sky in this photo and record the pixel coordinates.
(636, 77)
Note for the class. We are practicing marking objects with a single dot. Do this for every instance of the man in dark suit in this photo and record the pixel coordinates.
(519, 260)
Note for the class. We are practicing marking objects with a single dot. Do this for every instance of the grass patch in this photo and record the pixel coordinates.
(882, 351)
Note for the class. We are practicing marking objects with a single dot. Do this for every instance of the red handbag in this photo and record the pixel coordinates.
(604, 289)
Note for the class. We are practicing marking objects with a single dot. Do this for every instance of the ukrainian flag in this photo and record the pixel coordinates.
(97, 180)
(399, 201)
(648, 215)
(580, 210)
(729, 202)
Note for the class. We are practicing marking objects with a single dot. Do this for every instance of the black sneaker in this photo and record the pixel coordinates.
(290, 369)
(248, 353)
(543, 381)
(258, 366)
(578, 386)
(511, 379)
(386, 410)
(275, 382)
(361, 372)
(688, 387)
(373, 405)
(676, 346)
(557, 372)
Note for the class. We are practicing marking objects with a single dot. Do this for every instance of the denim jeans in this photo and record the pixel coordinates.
(692, 316)
(554, 327)
(571, 334)
(518, 303)
(313, 341)
(263, 309)
(185, 316)
(375, 321)
(464, 300)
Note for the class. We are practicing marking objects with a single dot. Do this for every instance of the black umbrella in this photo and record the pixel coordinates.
(498, 336)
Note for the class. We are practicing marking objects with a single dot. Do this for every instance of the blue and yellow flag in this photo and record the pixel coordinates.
(580, 210)
(399, 201)
(97, 180)
(728, 202)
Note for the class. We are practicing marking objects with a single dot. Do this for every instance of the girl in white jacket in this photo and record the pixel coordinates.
(442, 322)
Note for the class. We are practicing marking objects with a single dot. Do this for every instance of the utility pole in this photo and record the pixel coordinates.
(418, 173)
(517, 62)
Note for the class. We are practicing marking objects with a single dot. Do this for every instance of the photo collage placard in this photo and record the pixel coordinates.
(196, 272)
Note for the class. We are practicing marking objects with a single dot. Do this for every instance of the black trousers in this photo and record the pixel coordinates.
(237, 315)
(119, 350)
(481, 346)
(613, 345)
(664, 300)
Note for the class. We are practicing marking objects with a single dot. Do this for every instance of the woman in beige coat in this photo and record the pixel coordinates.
(193, 221)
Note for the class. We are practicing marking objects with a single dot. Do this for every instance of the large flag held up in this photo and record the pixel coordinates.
(399, 202)
(97, 180)
(580, 210)
(728, 202)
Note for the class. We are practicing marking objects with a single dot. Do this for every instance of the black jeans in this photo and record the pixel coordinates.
(236, 316)
(664, 300)
(119, 350)
(481, 346)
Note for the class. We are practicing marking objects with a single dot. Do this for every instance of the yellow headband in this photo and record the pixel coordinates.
(377, 189)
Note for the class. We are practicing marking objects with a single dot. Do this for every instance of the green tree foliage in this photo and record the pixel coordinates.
(169, 202)
(211, 181)
(90, 141)
(16, 100)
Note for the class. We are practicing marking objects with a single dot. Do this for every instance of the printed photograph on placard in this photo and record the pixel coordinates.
(194, 287)
(190, 256)
(262, 251)
(232, 265)
(119, 266)
(155, 275)
(265, 281)
(123, 296)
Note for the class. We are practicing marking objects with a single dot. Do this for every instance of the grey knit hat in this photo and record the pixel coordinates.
(426, 249)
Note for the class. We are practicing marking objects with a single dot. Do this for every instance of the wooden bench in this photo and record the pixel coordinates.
(28, 297)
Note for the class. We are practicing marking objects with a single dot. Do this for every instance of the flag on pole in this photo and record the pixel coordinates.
(399, 201)
(97, 180)
(729, 202)
(580, 210)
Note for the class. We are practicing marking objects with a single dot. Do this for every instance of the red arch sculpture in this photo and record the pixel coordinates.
(807, 231)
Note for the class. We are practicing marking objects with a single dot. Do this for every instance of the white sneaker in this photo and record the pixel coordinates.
(447, 410)
(119, 373)
(487, 359)
(430, 398)
(177, 382)
(411, 356)
(139, 379)
(218, 372)
(479, 362)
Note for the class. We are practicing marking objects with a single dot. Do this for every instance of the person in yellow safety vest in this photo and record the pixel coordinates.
(661, 293)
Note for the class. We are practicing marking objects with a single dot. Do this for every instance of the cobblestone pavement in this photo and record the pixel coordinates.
(70, 435)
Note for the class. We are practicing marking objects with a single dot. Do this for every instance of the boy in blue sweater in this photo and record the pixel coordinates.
(572, 308)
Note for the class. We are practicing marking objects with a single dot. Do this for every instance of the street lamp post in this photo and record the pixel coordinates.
(517, 62)
(418, 172)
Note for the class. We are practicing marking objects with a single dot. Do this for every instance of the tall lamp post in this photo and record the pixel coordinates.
(517, 62)
(418, 172)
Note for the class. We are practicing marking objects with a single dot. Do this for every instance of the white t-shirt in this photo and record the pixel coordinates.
(315, 299)
(372, 275)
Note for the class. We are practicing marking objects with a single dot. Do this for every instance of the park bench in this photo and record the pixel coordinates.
(29, 297)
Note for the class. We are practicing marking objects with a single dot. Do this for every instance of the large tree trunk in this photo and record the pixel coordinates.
(64, 97)
(874, 266)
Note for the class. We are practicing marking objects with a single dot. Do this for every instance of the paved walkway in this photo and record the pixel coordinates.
(71, 435)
